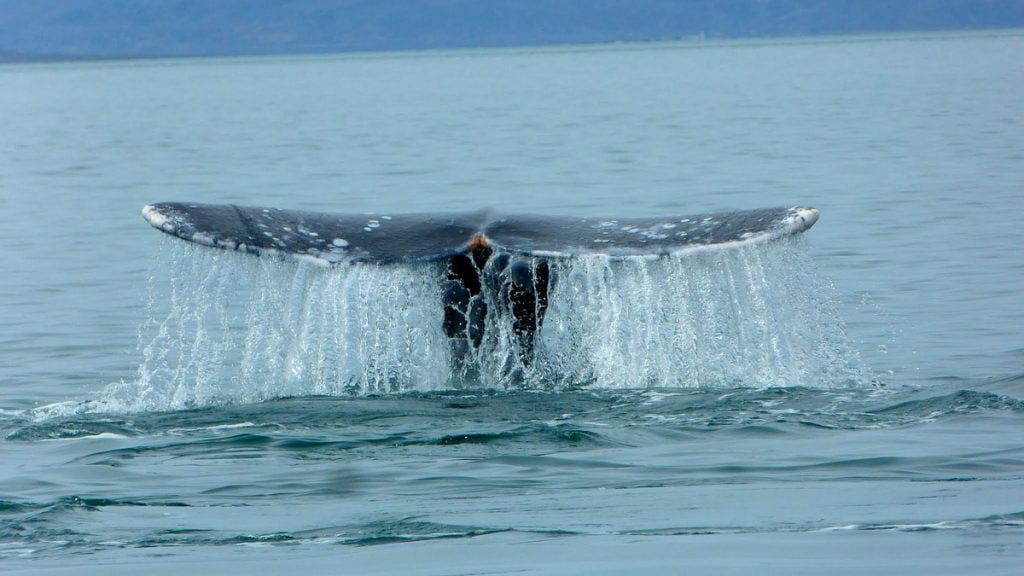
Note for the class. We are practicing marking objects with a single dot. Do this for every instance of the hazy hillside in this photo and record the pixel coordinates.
(126, 28)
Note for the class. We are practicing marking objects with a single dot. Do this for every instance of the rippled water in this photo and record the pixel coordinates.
(848, 401)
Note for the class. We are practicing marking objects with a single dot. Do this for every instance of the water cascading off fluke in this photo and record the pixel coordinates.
(226, 328)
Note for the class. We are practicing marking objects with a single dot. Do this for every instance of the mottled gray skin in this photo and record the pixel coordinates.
(404, 238)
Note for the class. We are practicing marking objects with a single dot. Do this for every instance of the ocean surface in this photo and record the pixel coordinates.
(849, 401)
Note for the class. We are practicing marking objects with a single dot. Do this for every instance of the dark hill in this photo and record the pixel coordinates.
(30, 29)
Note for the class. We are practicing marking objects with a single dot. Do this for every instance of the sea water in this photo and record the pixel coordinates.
(850, 400)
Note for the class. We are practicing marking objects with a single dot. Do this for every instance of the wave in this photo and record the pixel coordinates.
(33, 533)
(506, 419)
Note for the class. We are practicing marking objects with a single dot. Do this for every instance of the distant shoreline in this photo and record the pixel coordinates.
(14, 57)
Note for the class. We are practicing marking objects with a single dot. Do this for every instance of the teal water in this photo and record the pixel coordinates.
(850, 401)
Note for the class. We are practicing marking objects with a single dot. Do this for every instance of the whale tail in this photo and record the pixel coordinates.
(408, 238)
(497, 266)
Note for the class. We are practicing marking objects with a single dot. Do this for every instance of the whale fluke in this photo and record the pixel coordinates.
(497, 266)
(409, 238)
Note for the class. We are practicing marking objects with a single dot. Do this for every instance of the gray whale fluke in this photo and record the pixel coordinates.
(492, 259)
(409, 238)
